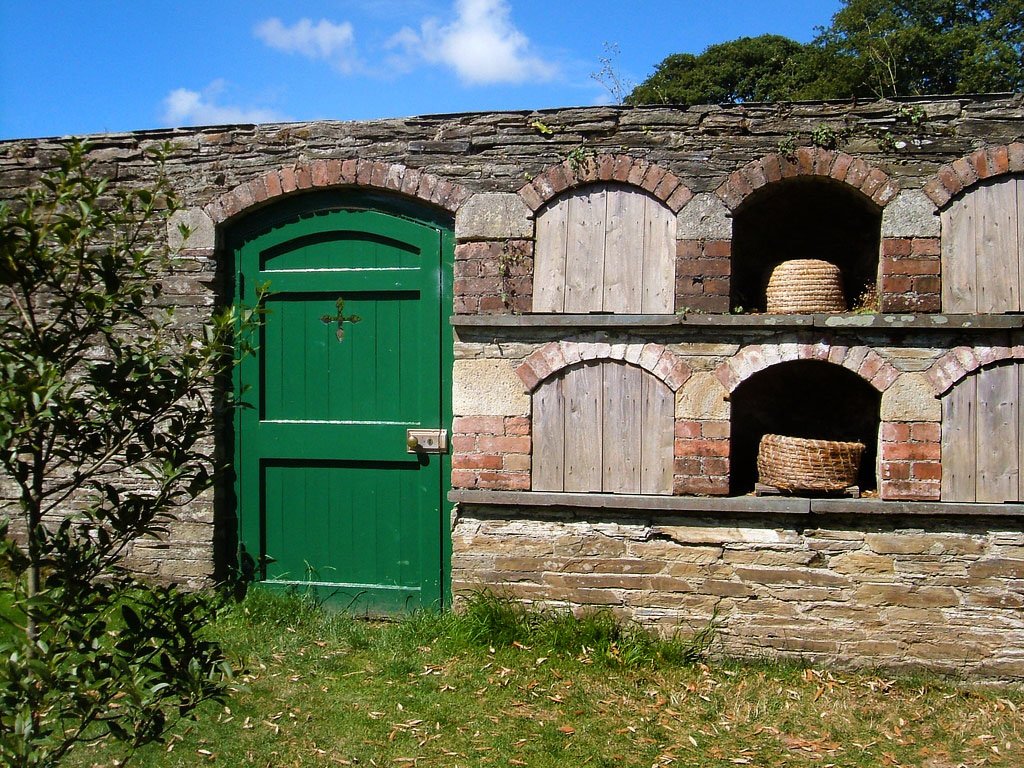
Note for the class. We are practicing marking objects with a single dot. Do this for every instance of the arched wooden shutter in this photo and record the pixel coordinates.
(983, 436)
(983, 249)
(605, 248)
(603, 426)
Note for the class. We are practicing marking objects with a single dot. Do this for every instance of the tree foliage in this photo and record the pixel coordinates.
(879, 48)
(913, 47)
(765, 68)
(105, 427)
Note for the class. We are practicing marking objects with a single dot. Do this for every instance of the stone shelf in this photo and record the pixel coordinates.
(880, 321)
(789, 505)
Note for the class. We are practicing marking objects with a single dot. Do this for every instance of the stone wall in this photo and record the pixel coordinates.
(897, 579)
(890, 591)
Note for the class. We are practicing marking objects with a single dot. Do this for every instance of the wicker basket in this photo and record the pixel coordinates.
(805, 285)
(800, 464)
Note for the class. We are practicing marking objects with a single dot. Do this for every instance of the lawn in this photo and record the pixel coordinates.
(497, 687)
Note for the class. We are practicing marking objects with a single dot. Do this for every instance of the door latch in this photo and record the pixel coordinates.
(426, 441)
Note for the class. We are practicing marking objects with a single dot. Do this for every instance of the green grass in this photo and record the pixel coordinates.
(501, 686)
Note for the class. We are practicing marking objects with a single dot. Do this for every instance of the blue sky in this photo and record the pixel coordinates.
(92, 66)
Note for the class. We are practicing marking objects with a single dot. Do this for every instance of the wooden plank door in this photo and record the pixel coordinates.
(603, 426)
(329, 498)
(983, 249)
(981, 436)
(605, 248)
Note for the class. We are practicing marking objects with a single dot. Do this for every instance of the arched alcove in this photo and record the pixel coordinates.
(804, 218)
(803, 398)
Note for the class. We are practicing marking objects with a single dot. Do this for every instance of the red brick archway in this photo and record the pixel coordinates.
(320, 174)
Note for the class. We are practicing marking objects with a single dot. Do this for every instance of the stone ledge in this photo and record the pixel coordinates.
(743, 504)
(887, 321)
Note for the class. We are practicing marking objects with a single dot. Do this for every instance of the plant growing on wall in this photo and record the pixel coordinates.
(105, 429)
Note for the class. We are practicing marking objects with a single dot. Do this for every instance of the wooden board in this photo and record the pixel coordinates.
(549, 260)
(583, 427)
(548, 436)
(659, 259)
(959, 438)
(584, 263)
(624, 248)
(622, 428)
(656, 449)
(996, 246)
(982, 426)
(996, 446)
(958, 266)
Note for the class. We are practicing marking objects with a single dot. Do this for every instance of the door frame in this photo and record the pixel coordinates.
(282, 211)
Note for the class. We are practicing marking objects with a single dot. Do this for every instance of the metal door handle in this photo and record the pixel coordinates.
(426, 441)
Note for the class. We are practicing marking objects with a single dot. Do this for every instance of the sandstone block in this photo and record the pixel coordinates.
(908, 596)
(861, 563)
(494, 216)
(911, 398)
(702, 397)
(925, 544)
(487, 388)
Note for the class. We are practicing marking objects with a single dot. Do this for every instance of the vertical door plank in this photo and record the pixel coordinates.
(657, 422)
(624, 243)
(584, 428)
(1019, 222)
(959, 438)
(1020, 432)
(659, 258)
(996, 443)
(584, 266)
(550, 257)
(958, 257)
(622, 431)
(548, 436)
(995, 207)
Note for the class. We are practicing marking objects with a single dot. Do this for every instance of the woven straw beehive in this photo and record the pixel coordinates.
(805, 285)
(802, 464)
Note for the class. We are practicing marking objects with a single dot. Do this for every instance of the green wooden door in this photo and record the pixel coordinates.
(329, 499)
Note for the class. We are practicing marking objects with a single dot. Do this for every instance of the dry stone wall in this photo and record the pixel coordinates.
(897, 579)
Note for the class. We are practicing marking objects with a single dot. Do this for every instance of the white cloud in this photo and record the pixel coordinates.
(481, 45)
(323, 40)
(186, 107)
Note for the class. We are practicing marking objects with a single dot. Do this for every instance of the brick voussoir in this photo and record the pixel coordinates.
(669, 183)
(823, 162)
(979, 161)
(318, 173)
(936, 191)
(637, 172)
(965, 171)
(680, 197)
(349, 171)
(771, 167)
(1015, 157)
(754, 174)
(650, 356)
(840, 166)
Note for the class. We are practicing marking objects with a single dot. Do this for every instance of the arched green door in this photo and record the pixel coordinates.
(328, 495)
